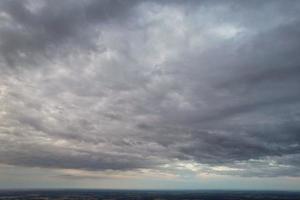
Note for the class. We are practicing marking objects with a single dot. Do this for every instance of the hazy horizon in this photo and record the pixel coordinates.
(127, 94)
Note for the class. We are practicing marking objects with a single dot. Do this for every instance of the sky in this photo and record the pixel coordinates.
(150, 94)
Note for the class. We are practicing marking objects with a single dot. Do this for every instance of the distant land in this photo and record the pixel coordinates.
(77, 194)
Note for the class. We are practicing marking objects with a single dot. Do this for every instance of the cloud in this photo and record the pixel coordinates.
(126, 85)
(36, 30)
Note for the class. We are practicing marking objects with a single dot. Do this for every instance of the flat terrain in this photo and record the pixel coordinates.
(145, 195)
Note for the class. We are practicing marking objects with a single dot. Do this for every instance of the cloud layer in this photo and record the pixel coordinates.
(128, 85)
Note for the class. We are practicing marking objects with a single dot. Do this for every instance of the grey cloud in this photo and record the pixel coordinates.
(48, 157)
(246, 108)
(273, 56)
(214, 83)
(54, 27)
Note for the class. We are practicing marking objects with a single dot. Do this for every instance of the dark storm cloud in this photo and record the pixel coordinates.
(124, 85)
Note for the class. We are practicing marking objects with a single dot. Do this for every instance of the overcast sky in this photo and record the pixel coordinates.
(150, 94)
